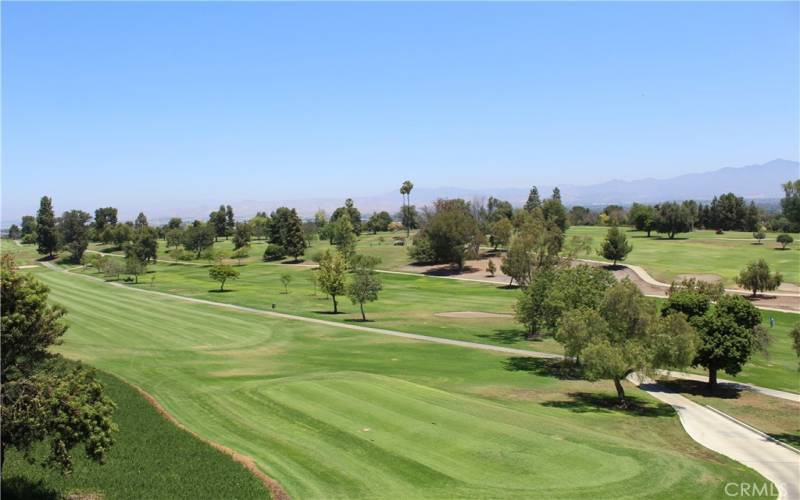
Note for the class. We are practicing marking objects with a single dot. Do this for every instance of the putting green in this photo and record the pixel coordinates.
(332, 413)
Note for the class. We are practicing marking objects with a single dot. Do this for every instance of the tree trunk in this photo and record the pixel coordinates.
(712, 378)
(222, 284)
(335, 310)
(363, 316)
(648, 232)
(620, 391)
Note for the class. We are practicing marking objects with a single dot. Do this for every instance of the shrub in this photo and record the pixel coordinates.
(274, 252)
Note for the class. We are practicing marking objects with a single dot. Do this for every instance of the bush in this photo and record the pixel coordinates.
(274, 252)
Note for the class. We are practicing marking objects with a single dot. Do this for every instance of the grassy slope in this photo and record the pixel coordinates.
(333, 413)
(409, 303)
(702, 252)
(150, 459)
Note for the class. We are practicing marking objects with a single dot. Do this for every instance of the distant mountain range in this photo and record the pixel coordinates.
(756, 182)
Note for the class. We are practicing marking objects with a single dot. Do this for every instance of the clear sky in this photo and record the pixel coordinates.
(140, 104)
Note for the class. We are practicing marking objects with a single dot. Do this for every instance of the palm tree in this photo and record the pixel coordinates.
(405, 190)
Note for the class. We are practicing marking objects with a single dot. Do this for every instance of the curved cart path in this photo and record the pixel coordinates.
(775, 462)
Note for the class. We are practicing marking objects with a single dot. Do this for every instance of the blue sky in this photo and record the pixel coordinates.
(141, 104)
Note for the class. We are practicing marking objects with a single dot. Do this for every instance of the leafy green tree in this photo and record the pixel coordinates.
(343, 237)
(47, 236)
(790, 203)
(581, 216)
(757, 277)
(795, 336)
(274, 252)
(450, 230)
(122, 234)
(174, 237)
(673, 218)
(178, 254)
(242, 235)
(379, 221)
(712, 290)
(143, 244)
(407, 213)
(530, 306)
(222, 273)
(28, 226)
(582, 286)
(351, 212)
(74, 233)
(517, 263)
(625, 334)
(643, 217)
(286, 278)
(500, 232)
(759, 234)
(365, 284)
(218, 220)
(691, 303)
(104, 217)
(241, 253)
(113, 266)
(260, 224)
(140, 222)
(134, 266)
(615, 246)
(332, 276)
(41, 400)
(784, 240)
(199, 237)
(14, 232)
(175, 223)
(729, 336)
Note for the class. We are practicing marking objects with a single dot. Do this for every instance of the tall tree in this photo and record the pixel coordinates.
(294, 239)
(405, 191)
(673, 218)
(533, 201)
(42, 400)
(14, 232)
(554, 211)
(74, 233)
(198, 237)
(365, 284)
(349, 210)
(230, 222)
(500, 232)
(47, 236)
(219, 221)
(447, 234)
(28, 227)
(104, 217)
(141, 221)
(331, 276)
(343, 237)
(615, 246)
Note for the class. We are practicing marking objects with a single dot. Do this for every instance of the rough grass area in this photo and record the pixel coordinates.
(333, 413)
(152, 458)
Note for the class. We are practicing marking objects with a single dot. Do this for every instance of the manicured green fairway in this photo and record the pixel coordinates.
(411, 303)
(151, 458)
(334, 413)
(702, 252)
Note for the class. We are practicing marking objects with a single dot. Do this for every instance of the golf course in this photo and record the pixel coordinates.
(335, 413)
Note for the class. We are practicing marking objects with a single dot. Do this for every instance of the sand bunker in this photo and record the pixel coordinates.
(471, 314)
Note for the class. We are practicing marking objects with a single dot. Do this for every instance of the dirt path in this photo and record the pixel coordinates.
(708, 428)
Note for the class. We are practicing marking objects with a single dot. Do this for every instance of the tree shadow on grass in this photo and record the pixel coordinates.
(22, 488)
(697, 388)
(217, 290)
(359, 320)
(790, 439)
(330, 313)
(504, 336)
(509, 286)
(559, 368)
(450, 270)
(587, 402)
